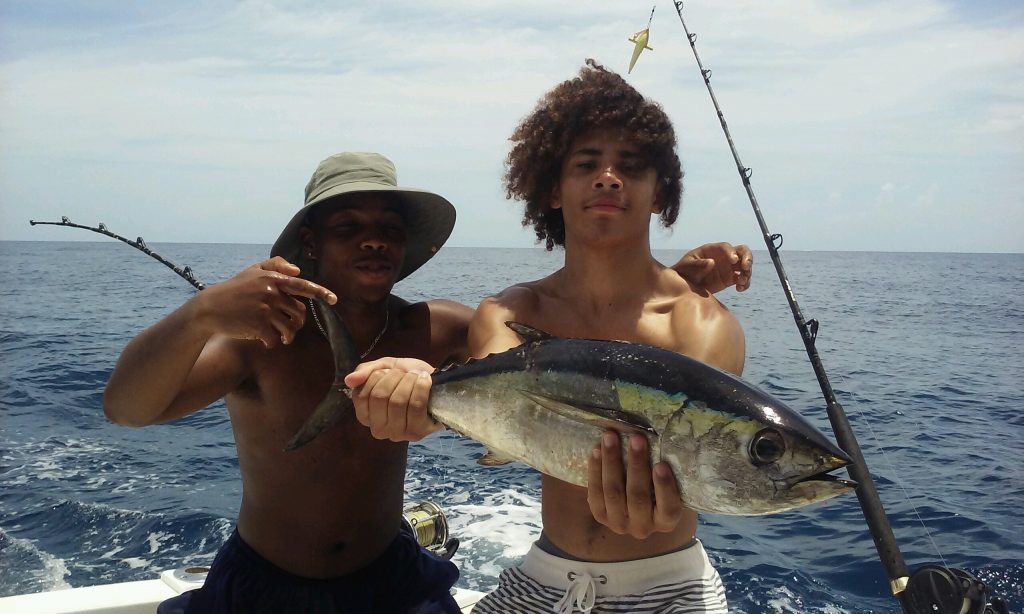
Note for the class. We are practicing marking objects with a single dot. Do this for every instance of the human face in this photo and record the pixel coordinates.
(359, 245)
(606, 186)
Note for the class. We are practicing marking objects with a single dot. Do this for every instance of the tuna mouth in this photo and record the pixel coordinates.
(825, 476)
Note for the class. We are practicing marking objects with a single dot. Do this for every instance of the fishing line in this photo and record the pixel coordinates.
(894, 475)
(930, 588)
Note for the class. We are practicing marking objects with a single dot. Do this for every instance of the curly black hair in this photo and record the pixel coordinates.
(596, 98)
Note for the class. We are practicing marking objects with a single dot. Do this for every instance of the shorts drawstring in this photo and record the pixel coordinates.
(582, 589)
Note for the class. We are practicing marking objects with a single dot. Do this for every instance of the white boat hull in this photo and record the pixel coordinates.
(141, 597)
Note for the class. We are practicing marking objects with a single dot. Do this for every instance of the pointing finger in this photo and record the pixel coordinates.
(303, 287)
(280, 265)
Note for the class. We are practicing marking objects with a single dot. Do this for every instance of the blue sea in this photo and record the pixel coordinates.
(924, 351)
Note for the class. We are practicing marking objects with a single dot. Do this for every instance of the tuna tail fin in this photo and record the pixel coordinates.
(342, 347)
(337, 400)
(603, 417)
(334, 405)
(528, 333)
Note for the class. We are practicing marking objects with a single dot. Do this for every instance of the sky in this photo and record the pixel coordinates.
(869, 125)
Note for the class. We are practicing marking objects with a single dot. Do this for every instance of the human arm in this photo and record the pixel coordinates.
(193, 356)
(391, 393)
(716, 266)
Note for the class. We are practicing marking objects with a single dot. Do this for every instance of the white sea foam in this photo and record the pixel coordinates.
(47, 575)
(157, 539)
(494, 534)
(135, 562)
(782, 600)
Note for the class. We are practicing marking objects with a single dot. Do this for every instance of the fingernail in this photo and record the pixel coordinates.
(661, 470)
(596, 453)
(609, 440)
(635, 443)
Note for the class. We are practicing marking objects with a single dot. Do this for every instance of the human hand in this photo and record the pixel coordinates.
(716, 266)
(623, 499)
(391, 397)
(259, 303)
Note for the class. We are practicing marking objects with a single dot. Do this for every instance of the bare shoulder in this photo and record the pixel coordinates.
(488, 333)
(439, 327)
(707, 330)
(517, 298)
(436, 314)
(449, 313)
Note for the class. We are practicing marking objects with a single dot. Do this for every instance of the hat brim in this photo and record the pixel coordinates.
(429, 220)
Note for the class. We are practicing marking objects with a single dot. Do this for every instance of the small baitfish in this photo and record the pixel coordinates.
(733, 449)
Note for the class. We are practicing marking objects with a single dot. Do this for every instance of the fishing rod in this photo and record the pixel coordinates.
(930, 589)
(138, 243)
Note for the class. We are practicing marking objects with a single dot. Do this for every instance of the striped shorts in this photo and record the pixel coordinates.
(678, 582)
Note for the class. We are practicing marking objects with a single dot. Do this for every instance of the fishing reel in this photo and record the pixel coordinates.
(428, 523)
(942, 590)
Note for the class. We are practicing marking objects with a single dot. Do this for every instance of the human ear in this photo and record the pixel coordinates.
(555, 201)
(658, 205)
(308, 242)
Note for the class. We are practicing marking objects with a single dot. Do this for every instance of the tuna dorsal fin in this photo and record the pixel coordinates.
(493, 459)
(528, 333)
(602, 417)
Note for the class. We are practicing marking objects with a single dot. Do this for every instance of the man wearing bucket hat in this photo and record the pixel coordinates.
(318, 528)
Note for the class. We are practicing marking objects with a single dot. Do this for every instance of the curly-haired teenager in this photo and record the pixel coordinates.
(593, 163)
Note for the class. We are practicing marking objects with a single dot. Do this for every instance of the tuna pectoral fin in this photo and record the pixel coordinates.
(492, 459)
(601, 417)
(326, 415)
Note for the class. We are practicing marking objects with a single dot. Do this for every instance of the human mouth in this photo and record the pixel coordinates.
(375, 266)
(605, 205)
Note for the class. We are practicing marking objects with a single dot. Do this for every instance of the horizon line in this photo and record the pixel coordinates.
(535, 247)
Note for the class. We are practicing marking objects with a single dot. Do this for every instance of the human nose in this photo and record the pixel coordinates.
(374, 240)
(607, 179)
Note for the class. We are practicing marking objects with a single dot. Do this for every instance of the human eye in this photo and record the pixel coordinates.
(394, 231)
(343, 227)
(634, 165)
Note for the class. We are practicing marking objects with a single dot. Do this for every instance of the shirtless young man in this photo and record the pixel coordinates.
(593, 163)
(592, 186)
(319, 528)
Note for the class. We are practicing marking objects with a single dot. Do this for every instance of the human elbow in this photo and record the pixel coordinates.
(119, 411)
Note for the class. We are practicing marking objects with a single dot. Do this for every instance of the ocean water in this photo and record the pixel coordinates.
(922, 349)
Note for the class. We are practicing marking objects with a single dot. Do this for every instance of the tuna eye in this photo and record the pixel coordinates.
(767, 446)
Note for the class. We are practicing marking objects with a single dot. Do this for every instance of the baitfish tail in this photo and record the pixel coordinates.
(337, 401)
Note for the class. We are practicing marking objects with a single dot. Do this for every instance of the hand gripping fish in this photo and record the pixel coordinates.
(733, 449)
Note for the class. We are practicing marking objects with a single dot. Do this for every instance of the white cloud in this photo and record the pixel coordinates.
(203, 123)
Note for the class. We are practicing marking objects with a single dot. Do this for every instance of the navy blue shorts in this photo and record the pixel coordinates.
(404, 578)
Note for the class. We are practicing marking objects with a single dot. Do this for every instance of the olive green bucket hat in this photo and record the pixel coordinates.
(428, 218)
